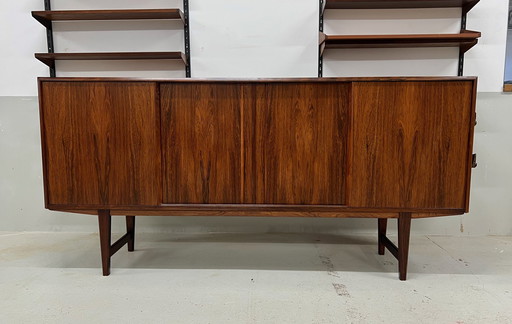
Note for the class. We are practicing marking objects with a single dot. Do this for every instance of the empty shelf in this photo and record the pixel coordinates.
(466, 5)
(465, 40)
(50, 58)
(46, 17)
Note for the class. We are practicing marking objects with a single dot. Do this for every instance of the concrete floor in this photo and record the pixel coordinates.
(253, 278)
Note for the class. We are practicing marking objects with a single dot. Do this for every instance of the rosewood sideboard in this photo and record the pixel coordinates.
(329, 147)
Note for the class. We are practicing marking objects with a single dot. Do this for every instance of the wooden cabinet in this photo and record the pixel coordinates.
(341, 147)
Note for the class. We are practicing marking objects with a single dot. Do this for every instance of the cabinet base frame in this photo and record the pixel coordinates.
(108, 250)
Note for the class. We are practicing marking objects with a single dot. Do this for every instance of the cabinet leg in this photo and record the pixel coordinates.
(382, 227)
(105, 224)
(130, 229)
(402, 251)
(404, 233)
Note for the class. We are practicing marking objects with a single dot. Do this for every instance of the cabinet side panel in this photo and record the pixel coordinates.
(102, 143)
(295, 142)
(201, 143)
(410, 143)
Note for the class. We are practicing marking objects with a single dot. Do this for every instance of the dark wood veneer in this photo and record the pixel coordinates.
(411, 143)
(295, 143)
(260, 80)
(101, 143)
(201, 129)
(260, 210)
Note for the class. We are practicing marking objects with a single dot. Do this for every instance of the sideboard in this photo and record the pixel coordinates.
(329, 147)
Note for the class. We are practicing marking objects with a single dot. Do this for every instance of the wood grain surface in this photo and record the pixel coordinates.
(295, 143)
(101, 143)
(349, 146)
(410, 144)
(201, 143)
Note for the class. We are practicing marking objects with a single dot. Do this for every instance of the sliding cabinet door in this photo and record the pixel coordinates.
(295, 137)
(201, 140)
(101, 143)
(411, 144)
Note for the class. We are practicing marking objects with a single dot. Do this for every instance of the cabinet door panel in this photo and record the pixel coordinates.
(295, 135)
(101, 143)
(411, 143)
(201, 143)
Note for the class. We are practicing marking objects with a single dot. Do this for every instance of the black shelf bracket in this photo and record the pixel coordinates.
(49, 37)
(186, 30)
(461, 52)
(321, 29)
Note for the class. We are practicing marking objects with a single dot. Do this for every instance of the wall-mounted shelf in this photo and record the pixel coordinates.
(466, 5)
(46, 17)
(50, 58)
(465, 40)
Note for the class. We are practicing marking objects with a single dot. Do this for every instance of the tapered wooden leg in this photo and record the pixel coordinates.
(404, 233)
(383, 224)
(130, 229)
(105, 223)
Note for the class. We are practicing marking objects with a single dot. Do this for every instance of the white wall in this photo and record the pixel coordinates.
(248, 38)
(21, 36)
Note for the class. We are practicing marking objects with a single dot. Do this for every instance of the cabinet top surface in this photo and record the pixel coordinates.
(260, 80)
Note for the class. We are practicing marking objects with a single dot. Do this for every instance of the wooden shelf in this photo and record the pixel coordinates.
(46, 17)
(50, 58)
(466, 5)
(465, 40)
